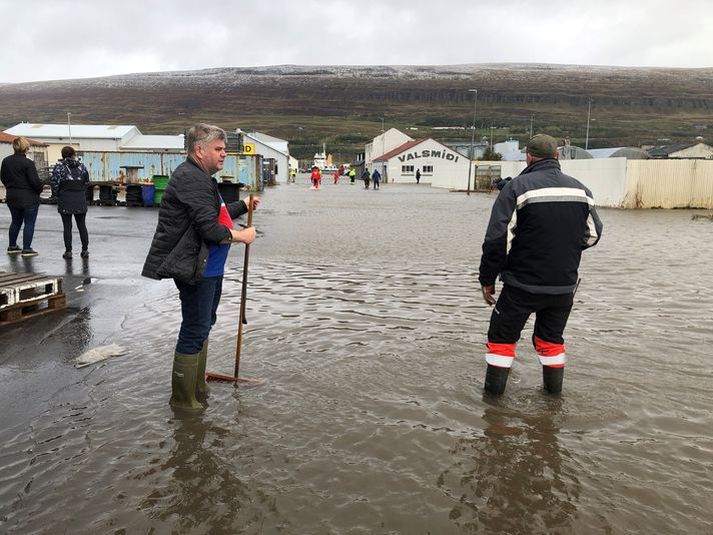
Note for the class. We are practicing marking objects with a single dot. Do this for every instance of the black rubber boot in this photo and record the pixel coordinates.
(202, 390)
(495, 380)
(183, 383)
(552, 379)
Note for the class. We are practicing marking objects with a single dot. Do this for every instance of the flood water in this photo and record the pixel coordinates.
(366, 322)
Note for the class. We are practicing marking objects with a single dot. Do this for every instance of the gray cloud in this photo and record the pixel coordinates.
(71, 39)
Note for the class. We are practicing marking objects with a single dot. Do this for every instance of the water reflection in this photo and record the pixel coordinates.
(513, 478)
(203, 489)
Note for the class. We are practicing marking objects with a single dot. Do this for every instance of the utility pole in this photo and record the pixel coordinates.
(69, 127)
(589, 113)
(472, 138)
(532, 123)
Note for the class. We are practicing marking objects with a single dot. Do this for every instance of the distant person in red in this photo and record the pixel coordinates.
(336, 177)
(316, 177)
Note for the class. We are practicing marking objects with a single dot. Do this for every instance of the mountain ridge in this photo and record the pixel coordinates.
(343, 105)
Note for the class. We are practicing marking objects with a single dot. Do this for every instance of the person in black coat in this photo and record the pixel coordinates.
(19, 176)
(190, 246)
(69, 182)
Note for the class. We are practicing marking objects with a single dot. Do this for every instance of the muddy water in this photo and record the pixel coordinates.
(365, 321)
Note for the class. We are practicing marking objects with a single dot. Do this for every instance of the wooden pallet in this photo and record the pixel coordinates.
(24, 295)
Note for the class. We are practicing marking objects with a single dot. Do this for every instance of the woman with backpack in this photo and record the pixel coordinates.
(69, 182)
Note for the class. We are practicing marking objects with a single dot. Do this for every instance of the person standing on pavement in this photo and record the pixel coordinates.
(69, 181)
(352, 176)
(316, 177)
(376, 178)
(540, 223)
(418, 176)
(365, 176)
(23, 187)
(191, 244)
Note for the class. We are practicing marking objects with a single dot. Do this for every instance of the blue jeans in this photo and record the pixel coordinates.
(28, 216)
(199, 303)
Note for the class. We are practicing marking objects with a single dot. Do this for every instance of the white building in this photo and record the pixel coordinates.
(37, 153)
(270, 147)
(434, 160)
(698, 150)
(510, 150)
(381, 144)
(96, 137)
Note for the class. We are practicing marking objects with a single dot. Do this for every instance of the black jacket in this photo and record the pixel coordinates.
(19, 176)
(69, 181)
(187, 223)
(540, 223)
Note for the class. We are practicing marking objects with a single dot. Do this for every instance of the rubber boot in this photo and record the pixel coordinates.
(183, 382)
(202, 390)
(552, 379)
(495, 380)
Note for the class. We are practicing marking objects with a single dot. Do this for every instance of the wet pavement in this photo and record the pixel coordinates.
(365, 320)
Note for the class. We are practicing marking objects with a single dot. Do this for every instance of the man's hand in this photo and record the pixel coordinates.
(246, 235)
(256, 202)
(488, 293)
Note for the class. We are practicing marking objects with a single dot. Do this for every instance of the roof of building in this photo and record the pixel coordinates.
(665, 150)
(155, 142)
(631, 153)
(9, 138)
(250, 137)
(102, 131)
(603, 153)
(265, 138)
(401, 148)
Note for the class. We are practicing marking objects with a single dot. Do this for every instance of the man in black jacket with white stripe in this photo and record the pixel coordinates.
(539, 225)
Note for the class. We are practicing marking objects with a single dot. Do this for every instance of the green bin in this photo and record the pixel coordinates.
(160, 182)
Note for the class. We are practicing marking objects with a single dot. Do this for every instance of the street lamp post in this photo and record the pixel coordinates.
(472, 138)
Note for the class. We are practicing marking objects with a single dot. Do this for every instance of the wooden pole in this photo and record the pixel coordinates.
(244, 292)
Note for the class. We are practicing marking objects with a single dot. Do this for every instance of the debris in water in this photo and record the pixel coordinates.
(98, 354)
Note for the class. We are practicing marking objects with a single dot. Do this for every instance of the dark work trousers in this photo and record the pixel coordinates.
(81, 220)
(199, 304)
(20, 216)
(514, 307)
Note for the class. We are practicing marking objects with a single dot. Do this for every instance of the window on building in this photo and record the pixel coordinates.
(407, 169)
(427, 169)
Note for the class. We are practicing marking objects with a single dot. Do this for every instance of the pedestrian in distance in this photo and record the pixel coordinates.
(352, 176)
(190, 246)
(69, 182)
(540, 223)
(365, 177)
(23, 187)
(292, 175)
(316, 177)
(418, 176)
(376, 178)
(336, 177)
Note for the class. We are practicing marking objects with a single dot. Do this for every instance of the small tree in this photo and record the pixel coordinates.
(489, 155)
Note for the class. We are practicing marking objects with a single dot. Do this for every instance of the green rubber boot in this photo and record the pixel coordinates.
(183, 382)
(202, 389)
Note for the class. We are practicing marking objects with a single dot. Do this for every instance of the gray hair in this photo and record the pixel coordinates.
(202, 134)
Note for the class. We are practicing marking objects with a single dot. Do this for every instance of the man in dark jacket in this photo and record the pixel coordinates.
(191, 245)
(19, 176)
(539, 225)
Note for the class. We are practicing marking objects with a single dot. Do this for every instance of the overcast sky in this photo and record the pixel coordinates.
(56, 39)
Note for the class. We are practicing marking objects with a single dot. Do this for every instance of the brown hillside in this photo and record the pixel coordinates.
(344, 106)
